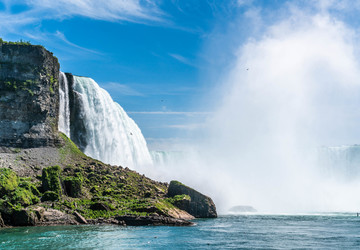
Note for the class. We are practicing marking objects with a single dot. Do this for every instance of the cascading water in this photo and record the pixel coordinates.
(111, 135)
(64, 107)
(340, 161)
(164, 158)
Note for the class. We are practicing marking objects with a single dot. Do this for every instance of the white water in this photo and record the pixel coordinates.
(112, 136)
(166, 158)
(341, 162)
(64, 108)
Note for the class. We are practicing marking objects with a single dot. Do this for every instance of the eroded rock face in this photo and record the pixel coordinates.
(200, 206)
(79, 134)
(28, 96)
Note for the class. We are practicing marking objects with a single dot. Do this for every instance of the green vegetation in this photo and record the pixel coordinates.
(178, 198)
(20, 42)
(51, 179)
(8, 181)
(87, 186)
(15, 85)
(50, 196)
(16, 192)
(69, 149)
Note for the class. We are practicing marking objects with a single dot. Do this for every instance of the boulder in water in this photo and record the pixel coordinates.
(199, 205)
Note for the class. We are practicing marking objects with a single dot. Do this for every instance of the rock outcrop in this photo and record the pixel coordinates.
(46, 180)
(199, 205)
(29, 99)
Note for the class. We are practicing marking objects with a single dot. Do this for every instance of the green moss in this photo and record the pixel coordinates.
(73, 186)
(69, 149)
(20, 42)
(178, 198)
(164, 206)
(51, 179)
(8, 180)
(50, 196)
(23, 197)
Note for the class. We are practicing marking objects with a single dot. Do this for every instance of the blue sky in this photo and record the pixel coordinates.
(158, 59)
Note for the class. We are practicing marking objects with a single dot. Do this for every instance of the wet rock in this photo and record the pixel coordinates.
(24, 218)
(153, 220)
(200, 206)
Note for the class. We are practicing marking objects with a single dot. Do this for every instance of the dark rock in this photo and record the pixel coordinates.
(50, 196)
(153, 221)
(29, 100)
(77, 126)
(2, 224)
(80, 218)
(39, 212)
(73, 186)
(100, 206)
(200, 206)
(24, 218)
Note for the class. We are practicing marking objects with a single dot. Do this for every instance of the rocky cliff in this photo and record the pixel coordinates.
(45, 179)
(29, 99)
(192, 201)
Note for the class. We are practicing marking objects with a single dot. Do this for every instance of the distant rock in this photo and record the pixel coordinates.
(199, 205)
(242, 209)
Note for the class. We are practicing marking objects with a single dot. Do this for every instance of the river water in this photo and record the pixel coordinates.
(316, 231)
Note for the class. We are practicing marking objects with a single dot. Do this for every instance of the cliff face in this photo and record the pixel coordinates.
(29, 99)
(77, 128)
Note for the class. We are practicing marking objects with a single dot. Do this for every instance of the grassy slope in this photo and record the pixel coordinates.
(82, 184)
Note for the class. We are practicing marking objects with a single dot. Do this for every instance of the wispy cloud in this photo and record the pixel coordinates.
(182, 59)
(121, 89)
(169, 113)
(35, 11)
(62, 37)
(108, 10)
(192, 126)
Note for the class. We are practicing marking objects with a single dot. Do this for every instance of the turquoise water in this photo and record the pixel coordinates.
(226, 232)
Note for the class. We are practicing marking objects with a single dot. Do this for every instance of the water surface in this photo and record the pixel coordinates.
(322, 231)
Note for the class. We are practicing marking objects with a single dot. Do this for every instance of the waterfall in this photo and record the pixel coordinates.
(110, 134)
(340, 161)
(166, 158)
(64, 107)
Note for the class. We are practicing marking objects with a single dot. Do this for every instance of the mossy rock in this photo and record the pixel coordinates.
(8, 181)
(51, 179)
(50, 196)
(73, 186)
(23, 197)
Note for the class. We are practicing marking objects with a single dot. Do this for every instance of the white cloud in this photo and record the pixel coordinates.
(62, 37)
(141, 11)
(182, 59)
(120, 89)
(169, 113)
